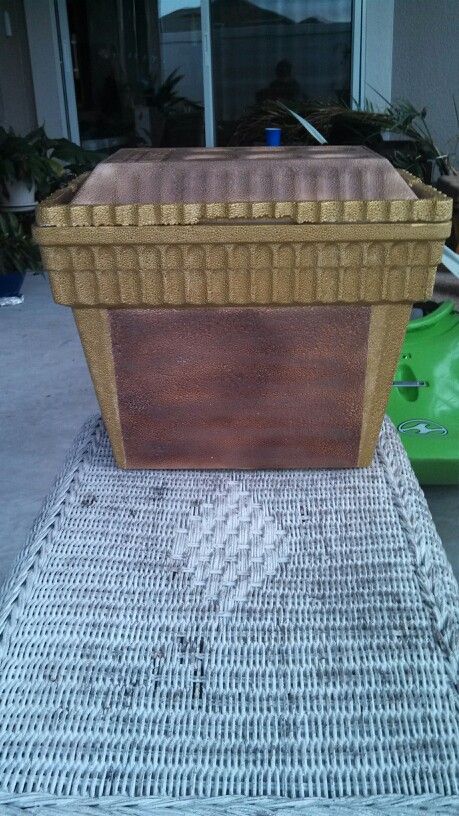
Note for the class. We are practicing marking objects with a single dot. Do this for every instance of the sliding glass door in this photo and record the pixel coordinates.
(137, 67)
(185, 72)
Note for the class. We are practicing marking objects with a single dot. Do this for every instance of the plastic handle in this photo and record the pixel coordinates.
(409, 384)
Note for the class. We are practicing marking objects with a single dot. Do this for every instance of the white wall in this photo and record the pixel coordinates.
(426, 63)
(17, 108)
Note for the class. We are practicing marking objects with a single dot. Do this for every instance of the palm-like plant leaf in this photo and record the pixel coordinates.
(307, 125)
(18, 252)
(337, 123)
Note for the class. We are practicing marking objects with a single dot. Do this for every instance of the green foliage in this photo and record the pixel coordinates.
(34, 158)
(47, 163)
(339, 124)
(22, 158)
(162, 96)
(18, 252)
(73, 161)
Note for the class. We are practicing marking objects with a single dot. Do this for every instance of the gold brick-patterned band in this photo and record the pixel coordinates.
(154, 255)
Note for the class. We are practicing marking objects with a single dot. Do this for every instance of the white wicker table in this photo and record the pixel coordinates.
(230, 642)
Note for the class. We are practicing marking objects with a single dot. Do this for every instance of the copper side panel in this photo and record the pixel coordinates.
(240, 387)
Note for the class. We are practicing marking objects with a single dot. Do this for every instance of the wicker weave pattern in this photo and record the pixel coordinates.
(39, 804)
(182, 634)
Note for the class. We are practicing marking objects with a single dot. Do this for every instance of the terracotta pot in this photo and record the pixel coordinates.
(245, 307)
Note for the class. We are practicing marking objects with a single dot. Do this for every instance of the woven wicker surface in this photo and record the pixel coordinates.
(227, 642)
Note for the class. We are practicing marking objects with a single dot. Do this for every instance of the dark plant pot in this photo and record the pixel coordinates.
(11, 283)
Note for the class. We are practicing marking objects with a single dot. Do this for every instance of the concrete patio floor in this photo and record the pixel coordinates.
(46, 394)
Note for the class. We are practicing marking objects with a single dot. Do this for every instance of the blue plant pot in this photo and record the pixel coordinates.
(11, 283)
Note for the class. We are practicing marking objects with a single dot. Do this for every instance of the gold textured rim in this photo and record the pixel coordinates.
(247, 233)
(431, 205)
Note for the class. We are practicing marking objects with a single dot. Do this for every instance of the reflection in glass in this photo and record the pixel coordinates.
(278, 49)
(137, 67)
(138, 64)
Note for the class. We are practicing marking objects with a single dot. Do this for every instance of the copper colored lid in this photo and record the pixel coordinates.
(242, 174)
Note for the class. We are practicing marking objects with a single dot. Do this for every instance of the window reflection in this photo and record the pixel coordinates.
(137, 67)
(288, 50)
(138, 64)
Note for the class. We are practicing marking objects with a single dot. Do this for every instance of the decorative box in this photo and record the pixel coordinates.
(243, 307)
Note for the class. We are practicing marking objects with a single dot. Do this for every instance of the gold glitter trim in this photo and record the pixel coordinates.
(387, 330)
(430, 206)
(225, 274)
(94, 331)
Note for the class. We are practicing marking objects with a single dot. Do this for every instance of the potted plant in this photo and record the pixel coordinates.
(34, 165)
(31, 167)
(153, 104)
(399, 132)
(18, 253)
(26, 163)
(71, 159)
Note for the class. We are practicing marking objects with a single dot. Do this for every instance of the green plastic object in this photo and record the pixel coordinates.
(424, 402)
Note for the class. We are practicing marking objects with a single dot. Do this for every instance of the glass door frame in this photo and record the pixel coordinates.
(68, 82)
(358, 53)
(55, 58)
(207, 77)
